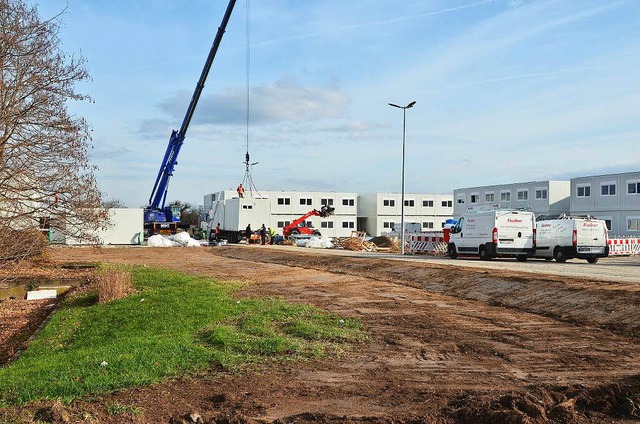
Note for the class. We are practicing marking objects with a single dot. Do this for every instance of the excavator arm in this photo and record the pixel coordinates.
(324, 212)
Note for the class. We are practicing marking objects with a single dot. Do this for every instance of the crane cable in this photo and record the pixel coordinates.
(248, 66)
(248, 179)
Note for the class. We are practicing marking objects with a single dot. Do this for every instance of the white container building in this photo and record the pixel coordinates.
(125, 226)
(541, 197)
(380, 213)
(614, 198)
(283, 207)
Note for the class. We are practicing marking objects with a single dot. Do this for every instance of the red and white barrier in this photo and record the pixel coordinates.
(624, 246)
(427, 243)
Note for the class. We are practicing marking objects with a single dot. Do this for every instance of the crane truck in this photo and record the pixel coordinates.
(157, 217)
(299, 226)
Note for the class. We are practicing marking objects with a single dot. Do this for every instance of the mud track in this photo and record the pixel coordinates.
(446, 345)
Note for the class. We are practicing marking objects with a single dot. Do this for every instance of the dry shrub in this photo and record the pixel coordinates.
(113, 285)
(18, 245)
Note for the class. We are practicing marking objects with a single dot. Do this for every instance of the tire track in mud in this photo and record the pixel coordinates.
(615, 307)
(434, 342)
(441, 348)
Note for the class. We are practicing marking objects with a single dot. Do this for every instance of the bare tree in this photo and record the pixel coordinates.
(112, 203)
(46, 179)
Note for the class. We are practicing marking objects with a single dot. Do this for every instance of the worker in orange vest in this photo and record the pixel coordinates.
(240, 191)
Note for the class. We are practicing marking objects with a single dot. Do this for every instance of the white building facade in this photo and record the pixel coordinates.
(614, 198)
(380, 213)
(542, 197)
(285, 207)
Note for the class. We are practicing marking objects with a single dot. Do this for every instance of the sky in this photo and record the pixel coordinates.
(505, 90)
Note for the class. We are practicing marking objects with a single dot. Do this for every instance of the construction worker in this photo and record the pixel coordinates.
(247, 233)
(218, 231)
(272, 235)
(263, 235)
(240, 191)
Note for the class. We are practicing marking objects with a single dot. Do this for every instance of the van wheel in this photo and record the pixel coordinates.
(453, 254)
(559, 256)
(522, 258)
(592, 260)
(484, 255)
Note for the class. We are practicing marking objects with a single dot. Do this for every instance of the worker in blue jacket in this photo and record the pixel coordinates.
(263, 234)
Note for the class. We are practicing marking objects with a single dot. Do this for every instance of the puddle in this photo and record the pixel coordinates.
(17, 289)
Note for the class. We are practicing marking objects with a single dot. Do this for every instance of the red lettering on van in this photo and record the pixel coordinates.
(514, 220)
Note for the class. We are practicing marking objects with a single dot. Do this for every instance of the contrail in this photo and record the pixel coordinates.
(374, 23)
(518, 77)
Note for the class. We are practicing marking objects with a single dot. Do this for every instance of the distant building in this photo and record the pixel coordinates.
(380, 213)
(287, 206)
(542, 197)
(615, 198)
(123, 226)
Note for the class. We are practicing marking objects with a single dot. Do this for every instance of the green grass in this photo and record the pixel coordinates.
(175, 324)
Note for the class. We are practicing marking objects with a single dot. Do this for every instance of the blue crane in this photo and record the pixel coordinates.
(157, 217)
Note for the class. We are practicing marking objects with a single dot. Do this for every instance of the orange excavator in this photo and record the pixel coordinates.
(299, 226)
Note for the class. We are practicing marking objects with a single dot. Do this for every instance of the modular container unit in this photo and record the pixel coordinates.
(541, 197)
(125, 226)
(614, 198)
(235, 214)
(380, 213)
(277, 209)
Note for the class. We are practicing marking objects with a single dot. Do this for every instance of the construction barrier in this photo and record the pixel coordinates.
(435, 243)
(427, 243)
(622, 246)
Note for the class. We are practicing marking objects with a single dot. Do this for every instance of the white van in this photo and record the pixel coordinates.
(494, 233)
(571, 237)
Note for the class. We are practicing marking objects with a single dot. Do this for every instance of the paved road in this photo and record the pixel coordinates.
(616, 269)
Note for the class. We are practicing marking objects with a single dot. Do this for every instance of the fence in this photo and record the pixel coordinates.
(435, 243)
(624, 246)
(428, 243)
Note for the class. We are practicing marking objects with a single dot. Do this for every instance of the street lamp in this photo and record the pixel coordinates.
(404, 132)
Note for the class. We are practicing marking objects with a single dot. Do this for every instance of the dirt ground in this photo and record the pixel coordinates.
(446, 344)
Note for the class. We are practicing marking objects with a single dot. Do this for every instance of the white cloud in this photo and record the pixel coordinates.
(281, 100)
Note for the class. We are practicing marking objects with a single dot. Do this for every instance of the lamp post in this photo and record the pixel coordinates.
(404, 132)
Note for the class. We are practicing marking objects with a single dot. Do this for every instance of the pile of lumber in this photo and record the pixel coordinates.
(354, 243)
(386, 243)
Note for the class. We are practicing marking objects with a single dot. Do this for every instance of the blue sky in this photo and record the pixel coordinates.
(506, 91)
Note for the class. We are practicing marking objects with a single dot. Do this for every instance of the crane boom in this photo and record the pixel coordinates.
(156, 212)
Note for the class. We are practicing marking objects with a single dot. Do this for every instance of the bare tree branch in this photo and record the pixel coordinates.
(46, 179)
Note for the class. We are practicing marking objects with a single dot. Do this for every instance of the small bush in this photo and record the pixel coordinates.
(112, 285)
(18, 245)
